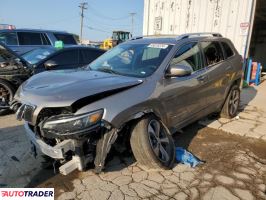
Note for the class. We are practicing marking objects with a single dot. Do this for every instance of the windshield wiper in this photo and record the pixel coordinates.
(107, 70)
(87, 67)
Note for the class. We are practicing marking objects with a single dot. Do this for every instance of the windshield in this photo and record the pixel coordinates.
(138, 60)
(37, 55)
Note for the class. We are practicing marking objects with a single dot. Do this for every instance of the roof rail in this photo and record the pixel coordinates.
(147, 36)
(136, 38)
(188, 35)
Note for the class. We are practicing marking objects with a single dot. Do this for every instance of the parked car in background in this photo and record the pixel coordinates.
(15, 69)
(47, 58)
(143, 91)
(24, 40)
(7, 26)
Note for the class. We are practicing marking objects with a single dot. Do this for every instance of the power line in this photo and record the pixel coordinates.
(132, 21)
(82, 7)
(99, 22)
(97, 29)
(96, 13)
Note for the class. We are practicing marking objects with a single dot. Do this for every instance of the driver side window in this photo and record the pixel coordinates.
(188, 55)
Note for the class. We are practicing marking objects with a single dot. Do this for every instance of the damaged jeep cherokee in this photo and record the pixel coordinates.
(143, 90)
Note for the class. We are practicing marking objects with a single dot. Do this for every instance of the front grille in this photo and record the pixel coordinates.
(28, 113)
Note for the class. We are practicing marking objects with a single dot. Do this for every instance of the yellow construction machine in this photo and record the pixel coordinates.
(117, 38)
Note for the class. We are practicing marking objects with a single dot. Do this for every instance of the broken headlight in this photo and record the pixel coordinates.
(72, 124)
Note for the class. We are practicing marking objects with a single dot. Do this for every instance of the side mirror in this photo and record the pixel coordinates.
(178, 71)
(50, 64)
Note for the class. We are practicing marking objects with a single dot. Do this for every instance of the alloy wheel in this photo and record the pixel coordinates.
(159, 140)
(5, 94)
(234, 102)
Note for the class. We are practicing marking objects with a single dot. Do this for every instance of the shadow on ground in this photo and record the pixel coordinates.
(247, 95)
(17, 166)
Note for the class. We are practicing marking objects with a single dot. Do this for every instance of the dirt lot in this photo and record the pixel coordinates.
(235, 168)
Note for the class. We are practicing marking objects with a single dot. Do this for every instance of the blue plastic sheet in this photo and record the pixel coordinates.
(187, 158)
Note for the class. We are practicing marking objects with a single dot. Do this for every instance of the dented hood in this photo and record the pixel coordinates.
(64, 87)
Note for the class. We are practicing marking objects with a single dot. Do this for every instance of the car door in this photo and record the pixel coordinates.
(217, 69)
(184, 97)
(86, 56)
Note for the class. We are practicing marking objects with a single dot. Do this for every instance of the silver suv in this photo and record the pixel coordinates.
(143, 90)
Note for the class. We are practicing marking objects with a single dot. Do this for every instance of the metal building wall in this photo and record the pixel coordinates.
(228, 17)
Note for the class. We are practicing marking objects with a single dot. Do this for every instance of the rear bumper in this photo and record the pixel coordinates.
(57, 152)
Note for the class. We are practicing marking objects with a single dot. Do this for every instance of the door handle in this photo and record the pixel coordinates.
(228, 68)
(202, 78)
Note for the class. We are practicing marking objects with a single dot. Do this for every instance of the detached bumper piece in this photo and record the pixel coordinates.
(78, 159)
(103, 148)
(57, 152)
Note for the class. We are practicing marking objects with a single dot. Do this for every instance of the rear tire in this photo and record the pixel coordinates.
(152, 145)
(231, 104)
(7, 92)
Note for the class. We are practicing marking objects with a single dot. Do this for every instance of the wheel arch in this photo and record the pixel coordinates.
(135, 116)
(11, 83)
(14, 87)
(228, 89)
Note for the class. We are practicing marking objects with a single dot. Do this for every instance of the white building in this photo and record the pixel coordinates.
(243, 21)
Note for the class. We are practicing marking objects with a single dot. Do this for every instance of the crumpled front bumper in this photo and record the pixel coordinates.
(78, 160)
(57, 152)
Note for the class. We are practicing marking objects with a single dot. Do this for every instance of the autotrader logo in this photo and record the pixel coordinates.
(26, 193)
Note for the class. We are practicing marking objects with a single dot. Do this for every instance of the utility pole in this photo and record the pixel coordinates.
(132, 22)
(83, 6)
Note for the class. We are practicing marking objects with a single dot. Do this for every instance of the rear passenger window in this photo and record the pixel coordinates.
(9, 38)
(26, 38)
(45, 40)
(65, 38)
(227, 50)
(213, 52)
(189, 55)
(87, 56)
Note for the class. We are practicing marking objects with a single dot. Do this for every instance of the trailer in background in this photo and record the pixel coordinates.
(242, 21)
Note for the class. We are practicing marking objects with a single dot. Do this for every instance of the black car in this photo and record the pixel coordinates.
(15, 69)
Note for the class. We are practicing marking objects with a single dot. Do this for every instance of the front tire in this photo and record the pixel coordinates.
(152, 145)
(7, 93)
(231, 104)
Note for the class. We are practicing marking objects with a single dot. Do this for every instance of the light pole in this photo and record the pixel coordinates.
(82, 7)
(132, 22)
